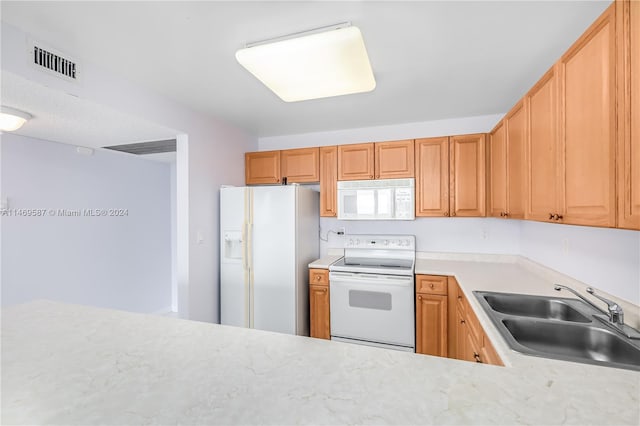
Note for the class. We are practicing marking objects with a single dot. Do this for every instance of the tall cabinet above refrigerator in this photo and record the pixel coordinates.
(269, 234)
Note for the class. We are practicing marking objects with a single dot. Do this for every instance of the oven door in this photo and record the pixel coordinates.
(373, 308)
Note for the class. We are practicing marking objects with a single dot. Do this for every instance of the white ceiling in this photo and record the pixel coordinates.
(432, 60)
(61, 117)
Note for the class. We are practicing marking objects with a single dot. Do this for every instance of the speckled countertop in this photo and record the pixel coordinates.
(68, 364)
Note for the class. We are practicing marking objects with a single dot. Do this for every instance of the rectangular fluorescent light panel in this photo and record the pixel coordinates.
(321, 65)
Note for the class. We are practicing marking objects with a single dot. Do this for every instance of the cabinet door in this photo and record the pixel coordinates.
(516, 129)
(432, 177)
(588, 125)
(452, 320)
(328, 180)
(467, 175)
(462, 338)
(431, 324)
(262, 167)
(300, 165)
(628, 21)
(355, 162)
(319, 311)
(497, 174)
(542, 149)
(394, 160)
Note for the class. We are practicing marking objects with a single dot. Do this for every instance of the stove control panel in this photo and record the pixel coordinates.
(387, 242)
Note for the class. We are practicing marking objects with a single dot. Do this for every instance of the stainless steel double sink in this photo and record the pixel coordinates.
(559, 328)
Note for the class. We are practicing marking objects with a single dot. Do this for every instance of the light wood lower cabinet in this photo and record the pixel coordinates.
(319, 310)
(467, 338)
(431, 315)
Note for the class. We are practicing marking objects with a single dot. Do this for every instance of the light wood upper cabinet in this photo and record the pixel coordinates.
(300, 165)
(262, 167)
(516, 126)
(542, 150)
(432, 176)
(588, 125)
(394, 160)
(497, 174)
(628, 29)
(328, 181)
(355, 162)
(467, 175)
(319, 309)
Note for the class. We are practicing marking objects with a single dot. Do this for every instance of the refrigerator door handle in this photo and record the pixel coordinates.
(244, 246)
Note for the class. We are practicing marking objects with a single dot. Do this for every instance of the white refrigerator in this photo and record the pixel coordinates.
(269, 235)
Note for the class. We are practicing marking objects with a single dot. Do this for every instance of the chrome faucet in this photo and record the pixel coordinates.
(616, 314)
(559, 287)
(614, 318)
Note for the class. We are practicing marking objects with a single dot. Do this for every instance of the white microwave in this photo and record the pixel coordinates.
(382, 199)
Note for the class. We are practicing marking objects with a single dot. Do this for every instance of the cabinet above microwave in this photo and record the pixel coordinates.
(383, 199)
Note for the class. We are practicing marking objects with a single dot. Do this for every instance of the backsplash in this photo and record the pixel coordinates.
(608, 259)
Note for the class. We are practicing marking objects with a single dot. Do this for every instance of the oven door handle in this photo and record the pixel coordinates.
(337, 278)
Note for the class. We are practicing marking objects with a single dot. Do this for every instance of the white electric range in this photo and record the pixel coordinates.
(372, 292)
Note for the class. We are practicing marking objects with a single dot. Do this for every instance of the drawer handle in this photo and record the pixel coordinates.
(419, 297)
(431, 285)
(318, 277)
(459, 297)
(477, 357)
(324, 290)
(463, 322)
(446, 213)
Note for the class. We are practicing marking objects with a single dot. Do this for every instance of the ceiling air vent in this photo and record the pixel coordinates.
(144, 148)
(54, 62)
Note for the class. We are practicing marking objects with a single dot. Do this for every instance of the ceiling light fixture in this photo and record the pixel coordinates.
(319, 63)
(12, 119)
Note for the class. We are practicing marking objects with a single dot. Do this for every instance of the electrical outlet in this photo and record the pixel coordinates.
(341, 230)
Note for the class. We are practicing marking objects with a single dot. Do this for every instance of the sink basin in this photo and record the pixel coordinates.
(534, 306)
(570, 341)
(559, 328)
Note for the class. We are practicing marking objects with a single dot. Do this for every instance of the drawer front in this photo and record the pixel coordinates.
(319, 276)
(431, 284)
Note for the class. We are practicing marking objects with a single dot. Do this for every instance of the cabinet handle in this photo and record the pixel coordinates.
(506, 214)
(557, 216)
(459, 297)
(463, 322)
(446, 213)
(431, 285)
(501, 214)
(453, 214)
(550, 216)
(318, 277)
(370, 176)
(324, 290)
(477, 357)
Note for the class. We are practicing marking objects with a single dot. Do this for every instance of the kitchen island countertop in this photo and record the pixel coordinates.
(69, 364)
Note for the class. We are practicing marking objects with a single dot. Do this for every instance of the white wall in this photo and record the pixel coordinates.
(425, 129)
(449, 235)
(210, 153)
(115, 262)
(608, 259)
